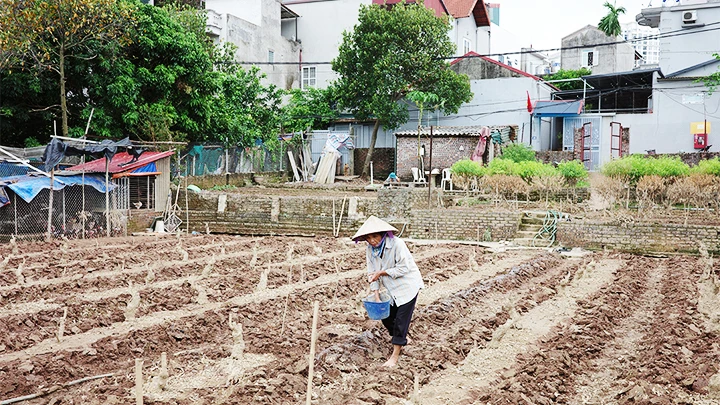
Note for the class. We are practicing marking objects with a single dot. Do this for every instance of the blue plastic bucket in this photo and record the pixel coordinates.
(377, 310)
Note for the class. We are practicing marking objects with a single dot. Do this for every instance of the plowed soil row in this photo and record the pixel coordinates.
(234, 316)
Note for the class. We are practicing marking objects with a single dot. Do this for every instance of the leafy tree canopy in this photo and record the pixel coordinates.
(49, 34)
(309, 108)
(564, 74)
(389, 53)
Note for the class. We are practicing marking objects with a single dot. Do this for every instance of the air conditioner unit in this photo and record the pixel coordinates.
(689, 17)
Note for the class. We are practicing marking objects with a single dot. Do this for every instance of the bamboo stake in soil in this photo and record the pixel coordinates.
(61, 329)
(311, 359)
(138, 382)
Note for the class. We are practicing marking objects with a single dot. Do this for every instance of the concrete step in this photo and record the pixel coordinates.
(530, 227)
(529, 242)
(532, 220)
(526, 234)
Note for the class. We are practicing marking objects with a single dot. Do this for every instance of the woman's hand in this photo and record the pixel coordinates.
(377, 295)
(375, 276)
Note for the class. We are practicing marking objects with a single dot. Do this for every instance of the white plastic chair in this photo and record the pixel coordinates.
(416, 175)
(446, 178)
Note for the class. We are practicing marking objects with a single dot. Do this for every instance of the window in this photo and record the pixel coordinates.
(466, 46)
(589, 58)
(308, 77)
(271, 56)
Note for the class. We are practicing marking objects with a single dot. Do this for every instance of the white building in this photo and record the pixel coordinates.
(256, 27)
(645, 41)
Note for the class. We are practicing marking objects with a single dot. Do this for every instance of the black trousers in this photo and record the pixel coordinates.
(398, 323)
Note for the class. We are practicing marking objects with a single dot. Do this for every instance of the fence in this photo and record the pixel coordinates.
(78, 210)
(214, 159)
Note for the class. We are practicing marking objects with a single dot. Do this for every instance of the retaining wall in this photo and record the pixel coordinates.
(408, 210)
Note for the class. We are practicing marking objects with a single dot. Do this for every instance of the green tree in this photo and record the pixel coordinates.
(563, 74)
(309, 108)
(161, 87)
(610, 24)
(50, 32)
(245, 111)
(712, 81)
(389, 53)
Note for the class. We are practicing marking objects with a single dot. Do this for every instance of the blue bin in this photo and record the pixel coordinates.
(377, 310)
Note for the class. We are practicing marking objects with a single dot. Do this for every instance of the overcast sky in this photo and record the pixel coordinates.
(543, 23)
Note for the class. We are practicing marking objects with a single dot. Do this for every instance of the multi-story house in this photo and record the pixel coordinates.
(263, 32)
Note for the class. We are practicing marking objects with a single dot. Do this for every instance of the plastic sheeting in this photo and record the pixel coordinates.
(57, 149)
(28, 188)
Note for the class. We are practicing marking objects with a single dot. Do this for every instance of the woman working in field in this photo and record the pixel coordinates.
(389, 262)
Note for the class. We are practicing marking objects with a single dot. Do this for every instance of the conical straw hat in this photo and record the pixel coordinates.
(372, 225)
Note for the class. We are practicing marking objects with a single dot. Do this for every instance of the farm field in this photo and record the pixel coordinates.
(233, 316)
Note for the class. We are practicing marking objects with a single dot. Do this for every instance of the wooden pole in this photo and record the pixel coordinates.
(311, 359)
(61, 329)
(138, 382)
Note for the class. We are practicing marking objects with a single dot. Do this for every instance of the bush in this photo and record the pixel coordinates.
(466, 172)
(503, 166)
(573, 171)
(529, 169)
(634, 167)
(467, 167)
(711, 166)
(518, 152)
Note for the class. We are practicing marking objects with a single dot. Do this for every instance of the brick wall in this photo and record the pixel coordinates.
(234, 179)
(407, 210)
(550, 156)
(446, 151)
(463, 224)
(639, 236)
(383, 161)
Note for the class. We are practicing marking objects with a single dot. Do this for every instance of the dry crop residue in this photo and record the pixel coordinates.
(234, 316)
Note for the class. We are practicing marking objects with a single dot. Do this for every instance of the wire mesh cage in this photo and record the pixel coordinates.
(78, 211)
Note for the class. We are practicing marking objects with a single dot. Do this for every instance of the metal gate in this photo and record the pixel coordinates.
(616, 130)
(587, 145)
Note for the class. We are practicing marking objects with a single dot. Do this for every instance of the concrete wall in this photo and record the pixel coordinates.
(503, 101)
(678, 52)
(320, 28)
(676, 104)
(465, 28)
(254, 27)
(611, 58)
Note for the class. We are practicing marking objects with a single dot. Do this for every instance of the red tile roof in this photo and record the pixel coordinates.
(467, 8)
(122, 158)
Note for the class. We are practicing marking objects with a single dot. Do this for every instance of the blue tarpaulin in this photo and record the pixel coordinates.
(27, 187)
(148, 168)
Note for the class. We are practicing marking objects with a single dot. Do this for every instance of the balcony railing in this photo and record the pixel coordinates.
(214, 23)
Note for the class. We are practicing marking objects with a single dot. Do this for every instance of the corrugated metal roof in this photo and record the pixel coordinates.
(443, 131)
(119, 162)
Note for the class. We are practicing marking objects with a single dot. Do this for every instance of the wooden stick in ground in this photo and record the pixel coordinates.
(61, 329)
(333, 216)
(311, 359)
(138, 382)
(336, 229)
(53, 389)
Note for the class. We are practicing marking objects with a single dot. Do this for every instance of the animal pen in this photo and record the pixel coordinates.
(78, 206)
